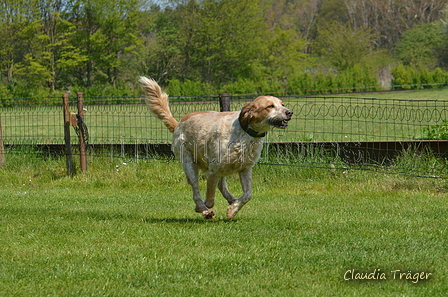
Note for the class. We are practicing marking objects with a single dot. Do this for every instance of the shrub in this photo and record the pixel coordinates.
(189, 88)
(301, 83)
(438, 132)
(402, 76)
(241, 86)
(408, 77)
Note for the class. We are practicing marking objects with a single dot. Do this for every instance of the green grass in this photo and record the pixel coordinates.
(315, 119)
(130, 230)
(424, 94)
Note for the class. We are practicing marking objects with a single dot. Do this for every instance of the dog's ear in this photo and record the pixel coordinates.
(246, 114)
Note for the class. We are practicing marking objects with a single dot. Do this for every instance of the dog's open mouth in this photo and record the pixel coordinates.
(279, 123)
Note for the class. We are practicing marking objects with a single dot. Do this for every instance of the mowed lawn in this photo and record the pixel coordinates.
(129, 229)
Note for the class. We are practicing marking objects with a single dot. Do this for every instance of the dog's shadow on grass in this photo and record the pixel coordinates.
(99, 215)
(105, 216)
(186, 220)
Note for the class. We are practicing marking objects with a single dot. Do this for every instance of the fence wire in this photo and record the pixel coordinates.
(324, 132)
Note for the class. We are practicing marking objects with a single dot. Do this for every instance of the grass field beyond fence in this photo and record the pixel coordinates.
(395, 116)
(117, 124)
(129, 229)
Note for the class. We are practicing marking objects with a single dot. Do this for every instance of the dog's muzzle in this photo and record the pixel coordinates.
(283, 122)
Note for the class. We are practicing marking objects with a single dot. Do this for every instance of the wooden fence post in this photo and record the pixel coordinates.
(224, 102)
(68, 148)
(2, 148)
(82, 134)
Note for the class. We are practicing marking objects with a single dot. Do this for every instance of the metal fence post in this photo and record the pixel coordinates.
(68, 149)
(224, 102)
(82, 134)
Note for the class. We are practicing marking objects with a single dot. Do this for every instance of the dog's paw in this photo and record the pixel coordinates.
(232, 210)
(208, 214)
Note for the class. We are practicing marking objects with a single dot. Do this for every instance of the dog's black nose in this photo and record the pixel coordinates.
(289, 113)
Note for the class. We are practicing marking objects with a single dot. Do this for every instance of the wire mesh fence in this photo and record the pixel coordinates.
(324, 131)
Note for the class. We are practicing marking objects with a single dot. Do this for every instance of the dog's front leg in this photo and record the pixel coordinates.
(212, 182)
(246, 183)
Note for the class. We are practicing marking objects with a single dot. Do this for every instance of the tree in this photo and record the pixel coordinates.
(7, 49)
(331, 12)
(17, 19)
(221, 40)
(32, 68)
(159, 56)
(442, 51)
(299, 15)
(286, 54)
(419, 46)
(342, 47)
(105, 32)
(389, 19)
(60, 53)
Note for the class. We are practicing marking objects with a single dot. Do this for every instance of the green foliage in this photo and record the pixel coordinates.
(436, 132)
(409, 77)
(287, 53)
(220, 39)
(241, 86)
(354, 79)
(331, 13)
(205, 47)
(188, 88)
(342, 47)
(403, 75)
(420, 46)
(159, 55)
(107, 90)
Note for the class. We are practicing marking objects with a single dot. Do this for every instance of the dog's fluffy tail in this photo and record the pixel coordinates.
(157, 101)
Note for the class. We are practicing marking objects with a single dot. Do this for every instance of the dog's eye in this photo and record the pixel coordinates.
(271, 106)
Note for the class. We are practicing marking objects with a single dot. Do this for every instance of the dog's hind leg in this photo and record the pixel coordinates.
(222, 186)
(191, 172)
(246, 183)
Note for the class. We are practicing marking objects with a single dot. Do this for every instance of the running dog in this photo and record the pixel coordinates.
(218, 143)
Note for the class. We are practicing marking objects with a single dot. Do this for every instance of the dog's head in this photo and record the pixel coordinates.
(263, 113)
